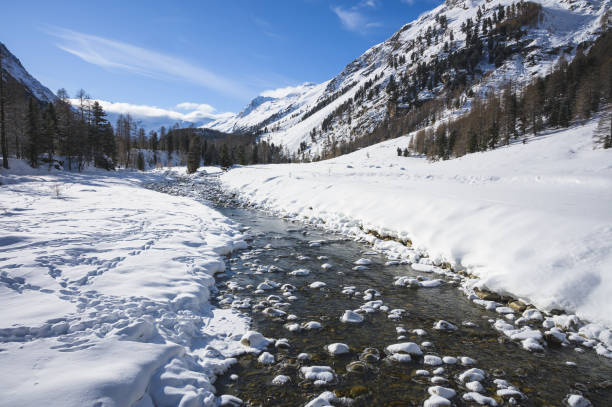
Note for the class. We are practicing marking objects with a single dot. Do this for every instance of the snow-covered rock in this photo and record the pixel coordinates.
(351, 317)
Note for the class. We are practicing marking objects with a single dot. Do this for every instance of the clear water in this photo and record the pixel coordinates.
(544, 378)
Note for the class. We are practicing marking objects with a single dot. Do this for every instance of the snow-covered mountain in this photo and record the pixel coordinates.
(12, 66)
(267, 108)
(428, 58)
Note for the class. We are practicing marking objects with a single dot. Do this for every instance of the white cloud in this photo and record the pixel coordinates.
(122, 56)
(200, 107)
(183, 112)
(283, 92)
(409, 2)
(354, 20)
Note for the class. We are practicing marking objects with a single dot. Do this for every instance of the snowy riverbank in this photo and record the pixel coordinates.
(533, 220)
(105, 287)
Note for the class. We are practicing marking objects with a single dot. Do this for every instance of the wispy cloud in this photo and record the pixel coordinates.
(355, 19)
(118, 55)
(266, 28)
(369, 3)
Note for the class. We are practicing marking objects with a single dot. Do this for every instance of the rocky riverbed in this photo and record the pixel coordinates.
(335, 322)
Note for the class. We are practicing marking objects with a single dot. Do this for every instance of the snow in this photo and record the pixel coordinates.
(105, 292)
(576, 400)
(480, 399)
(322, 400)
(351, 317)
(266, 358)
(449, 360)
(472, 375)
(432, 360)
(531, 220)
(299, 272)
(442, 392)
(321, 374)
(474, 386)
(436, 401)
(405, 347)
(401, 357)
(443, 325)
(281, 380)
(337, 349)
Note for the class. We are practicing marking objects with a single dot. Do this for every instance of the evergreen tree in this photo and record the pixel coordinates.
(241, 155)
(49, 132)
(254, 154)
(66, 138)
(226, 160)
(33, 133)
(193, 156)
(102, 141)
(140, 161)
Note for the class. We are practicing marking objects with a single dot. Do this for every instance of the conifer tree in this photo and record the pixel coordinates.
(226, 160)
(140, 161)
(49, 131)
(254, 154)
(193, 156)
(33, 133)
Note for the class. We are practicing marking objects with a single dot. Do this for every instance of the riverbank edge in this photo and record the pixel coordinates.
(470, 285)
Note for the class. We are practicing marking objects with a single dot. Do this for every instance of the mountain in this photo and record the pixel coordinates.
(15, 70)
(445, 55)
(268, 108)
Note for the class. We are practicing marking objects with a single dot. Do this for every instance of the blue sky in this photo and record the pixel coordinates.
(218, 53)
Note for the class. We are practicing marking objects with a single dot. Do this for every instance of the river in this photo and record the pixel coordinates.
(368, 374)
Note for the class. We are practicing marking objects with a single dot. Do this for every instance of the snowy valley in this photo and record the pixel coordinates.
(431, 227)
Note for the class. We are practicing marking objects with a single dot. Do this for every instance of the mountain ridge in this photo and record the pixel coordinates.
(13, 67)
(354, 102)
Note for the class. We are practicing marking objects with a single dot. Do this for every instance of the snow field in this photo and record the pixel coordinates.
(105, 292)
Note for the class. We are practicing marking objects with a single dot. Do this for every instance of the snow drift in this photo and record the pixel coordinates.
(105, 292)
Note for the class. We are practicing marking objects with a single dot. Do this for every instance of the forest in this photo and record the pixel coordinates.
(73, 136)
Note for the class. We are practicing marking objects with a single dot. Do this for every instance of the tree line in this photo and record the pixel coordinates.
(74, 135)
(41, 133)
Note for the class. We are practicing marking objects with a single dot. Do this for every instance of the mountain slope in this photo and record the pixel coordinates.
(12, 66)
(268, 108)
(444, 53)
